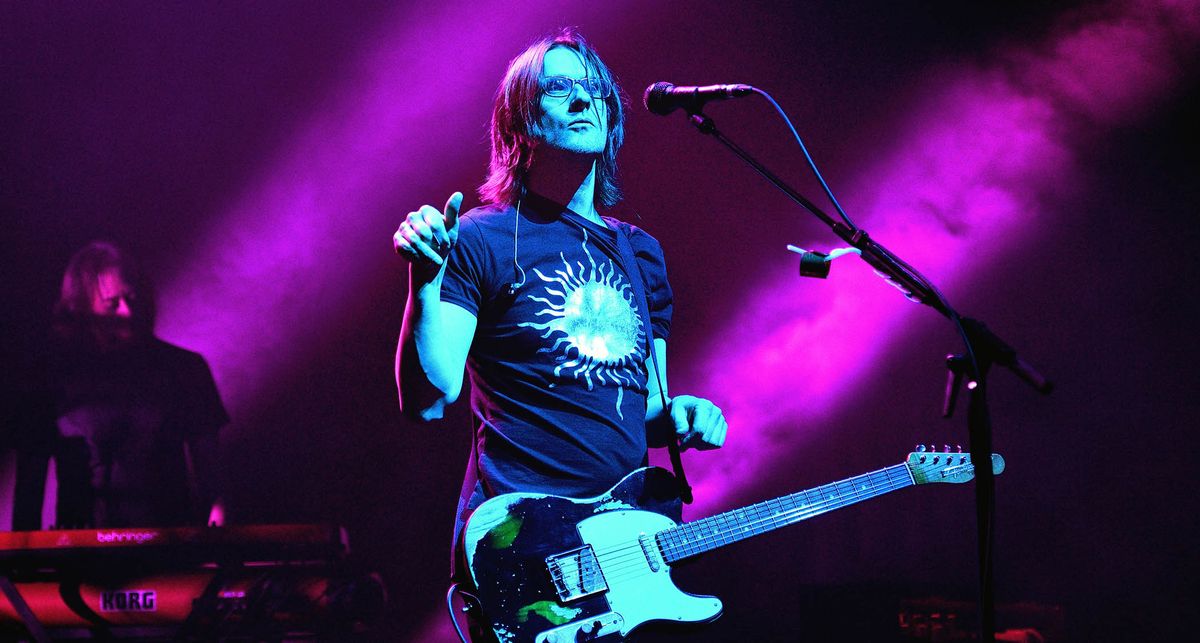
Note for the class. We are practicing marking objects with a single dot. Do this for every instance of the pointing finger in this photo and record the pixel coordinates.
(450, 212)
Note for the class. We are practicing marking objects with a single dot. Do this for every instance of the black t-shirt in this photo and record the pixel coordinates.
(123, 419)
(558, 367)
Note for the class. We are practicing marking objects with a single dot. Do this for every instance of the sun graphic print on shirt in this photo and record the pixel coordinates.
(593, 322)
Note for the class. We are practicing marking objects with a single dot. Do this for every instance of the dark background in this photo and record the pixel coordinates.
(140, 122)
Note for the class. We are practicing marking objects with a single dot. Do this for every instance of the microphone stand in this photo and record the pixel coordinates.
(983, 348)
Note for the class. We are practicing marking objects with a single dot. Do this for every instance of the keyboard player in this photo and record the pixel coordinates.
(130, 421)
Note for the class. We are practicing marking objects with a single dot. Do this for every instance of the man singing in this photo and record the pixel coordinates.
(549, 305)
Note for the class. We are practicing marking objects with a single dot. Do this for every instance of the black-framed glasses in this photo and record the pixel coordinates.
(562, 86)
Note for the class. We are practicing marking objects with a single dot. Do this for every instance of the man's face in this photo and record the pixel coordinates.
(113, 307)
(577, 122)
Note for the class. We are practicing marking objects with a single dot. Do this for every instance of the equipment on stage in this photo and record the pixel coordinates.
(549, 569)
(982, 348)
(664, 98)
(257, 581)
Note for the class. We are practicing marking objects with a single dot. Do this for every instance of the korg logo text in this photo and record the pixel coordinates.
(133, 600)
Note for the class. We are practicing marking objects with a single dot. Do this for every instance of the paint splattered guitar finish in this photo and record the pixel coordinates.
(550, 569)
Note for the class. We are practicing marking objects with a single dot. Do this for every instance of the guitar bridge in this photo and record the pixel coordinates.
(576, 573)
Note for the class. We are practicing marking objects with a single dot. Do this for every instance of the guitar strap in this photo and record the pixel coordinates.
(634, 271)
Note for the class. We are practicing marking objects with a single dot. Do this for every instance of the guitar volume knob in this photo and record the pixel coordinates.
(589, 631)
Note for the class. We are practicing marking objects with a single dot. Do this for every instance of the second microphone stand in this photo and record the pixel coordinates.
(982, 349)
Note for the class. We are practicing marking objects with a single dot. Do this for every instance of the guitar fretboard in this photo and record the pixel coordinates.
(703, 535)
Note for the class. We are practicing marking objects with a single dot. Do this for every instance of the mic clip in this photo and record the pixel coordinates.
(816, 264)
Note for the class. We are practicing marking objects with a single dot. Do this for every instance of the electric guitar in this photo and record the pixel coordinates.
(550, 569)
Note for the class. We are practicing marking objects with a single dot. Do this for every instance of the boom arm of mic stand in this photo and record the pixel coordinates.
(983, 348)
(874, 254)
(888, 264)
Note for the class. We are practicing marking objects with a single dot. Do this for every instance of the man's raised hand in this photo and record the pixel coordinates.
(426, 236)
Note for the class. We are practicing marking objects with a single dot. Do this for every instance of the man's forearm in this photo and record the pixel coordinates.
(205, 452)
(425, 379)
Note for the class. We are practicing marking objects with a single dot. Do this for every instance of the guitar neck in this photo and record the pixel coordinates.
(693, 538)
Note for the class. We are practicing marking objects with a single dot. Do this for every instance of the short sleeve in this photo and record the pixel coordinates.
(465, 282)
(653, 266)
(204, 413)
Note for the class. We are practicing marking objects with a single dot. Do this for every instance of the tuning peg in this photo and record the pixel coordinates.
(920, 448)
(946, 447)
(958, 447)
(932, 448)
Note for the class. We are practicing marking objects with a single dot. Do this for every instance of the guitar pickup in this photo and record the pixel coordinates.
(576, 573)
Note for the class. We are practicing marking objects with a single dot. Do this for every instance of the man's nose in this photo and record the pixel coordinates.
(580, 96)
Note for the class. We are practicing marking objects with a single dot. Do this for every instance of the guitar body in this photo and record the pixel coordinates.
(550, 569)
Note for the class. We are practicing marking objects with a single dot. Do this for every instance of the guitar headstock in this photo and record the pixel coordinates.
(931, 466)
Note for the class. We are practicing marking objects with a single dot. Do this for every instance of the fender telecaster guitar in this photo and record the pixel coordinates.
(549, 569)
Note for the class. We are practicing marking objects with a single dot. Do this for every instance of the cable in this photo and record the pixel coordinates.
(917, 276)
(942, 304)
(517, 269)
(450, 607)
(808, 157)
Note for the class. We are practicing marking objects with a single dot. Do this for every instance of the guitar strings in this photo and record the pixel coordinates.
(839, 497)
(626, 560)
(730, 531)
(625, 557)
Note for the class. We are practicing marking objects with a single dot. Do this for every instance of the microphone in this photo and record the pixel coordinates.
(664, 98)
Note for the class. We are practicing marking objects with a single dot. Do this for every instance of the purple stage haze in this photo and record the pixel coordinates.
(309, 232)
(1037, 161)
(960, 184)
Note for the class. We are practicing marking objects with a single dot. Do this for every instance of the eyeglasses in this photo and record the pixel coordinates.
(562, 86)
